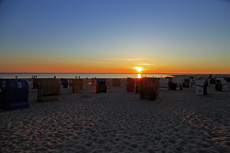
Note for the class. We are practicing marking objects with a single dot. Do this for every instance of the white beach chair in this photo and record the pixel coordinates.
(221, 84)
(178, 82)
(201, 87)
(164, 84)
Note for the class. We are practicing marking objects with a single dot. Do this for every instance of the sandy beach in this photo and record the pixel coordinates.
(118, 121)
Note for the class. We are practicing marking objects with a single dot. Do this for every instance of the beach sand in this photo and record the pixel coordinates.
(118, 121)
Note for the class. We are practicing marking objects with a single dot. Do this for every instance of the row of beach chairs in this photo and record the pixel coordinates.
(14, 92)
(171, 83)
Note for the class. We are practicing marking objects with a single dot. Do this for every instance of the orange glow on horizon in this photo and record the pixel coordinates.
(14, 67)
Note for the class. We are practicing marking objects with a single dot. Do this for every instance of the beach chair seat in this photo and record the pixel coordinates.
(187, 83)
(172, 86)
(13, 94)
(192, 79)
(93, 81)
(65, 83)
(70, 82)
(164, 84)
(35, 83)
(48, 90)
(149, 88)
(101, 85)
(76, 84)
(220, 84)
(107, 83)
(212, 81)
(175, 83)
(62, 80)
(130, 85)
(227, 79)
(81, 83)
(137, 85)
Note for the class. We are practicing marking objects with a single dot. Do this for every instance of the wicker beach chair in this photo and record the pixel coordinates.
(76, 84)
(130, 85)
(101, 85)
(13, 94)
(48, 90)
(149, 87)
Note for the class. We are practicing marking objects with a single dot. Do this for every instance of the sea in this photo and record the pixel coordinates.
(81, 75)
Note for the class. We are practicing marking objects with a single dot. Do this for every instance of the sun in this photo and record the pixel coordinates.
(138, 69)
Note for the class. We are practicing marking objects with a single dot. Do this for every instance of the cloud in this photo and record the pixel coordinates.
(134, 59)
(113, 59)
(123, 59)
(92, 62)
(97, 62)
(144, 64)
(71, 63)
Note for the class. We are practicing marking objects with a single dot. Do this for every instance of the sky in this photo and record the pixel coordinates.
(115, 36)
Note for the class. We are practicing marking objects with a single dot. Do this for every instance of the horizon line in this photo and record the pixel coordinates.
(108, 73)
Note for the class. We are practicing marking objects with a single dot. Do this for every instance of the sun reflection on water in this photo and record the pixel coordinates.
(138, 75)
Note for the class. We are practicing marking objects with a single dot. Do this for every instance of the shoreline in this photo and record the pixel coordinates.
(135, 74)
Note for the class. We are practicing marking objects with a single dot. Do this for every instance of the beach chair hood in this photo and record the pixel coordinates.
(164, 82)
(176, 80)
(200, 82)
(222, 80)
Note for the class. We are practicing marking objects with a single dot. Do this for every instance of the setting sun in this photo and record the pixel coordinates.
(138, 69)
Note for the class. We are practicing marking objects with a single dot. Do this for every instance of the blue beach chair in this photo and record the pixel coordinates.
(13, 94)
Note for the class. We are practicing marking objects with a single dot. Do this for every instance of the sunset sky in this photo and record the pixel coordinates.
(115, 36)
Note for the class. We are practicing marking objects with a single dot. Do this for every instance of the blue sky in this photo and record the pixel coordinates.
(159, 35)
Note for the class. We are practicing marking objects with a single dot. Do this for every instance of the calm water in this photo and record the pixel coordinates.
(82, 75)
